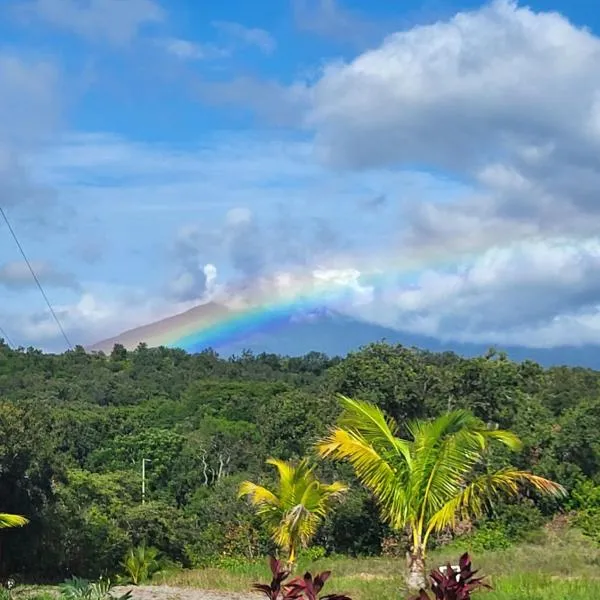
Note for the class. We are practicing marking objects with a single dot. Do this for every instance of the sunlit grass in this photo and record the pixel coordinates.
(563, 565)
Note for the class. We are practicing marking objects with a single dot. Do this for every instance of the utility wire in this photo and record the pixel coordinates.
(35, 277)
(4, 335)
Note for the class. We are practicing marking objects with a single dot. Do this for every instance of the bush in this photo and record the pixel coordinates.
(510, 523)
(140, 563)
(488, 537)
(520, 521)
(313, 553)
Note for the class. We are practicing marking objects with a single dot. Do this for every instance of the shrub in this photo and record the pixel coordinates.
(313, 553)
(82, 589)
(140, 563)
(453, 585)
(489, 537)
(299, 588)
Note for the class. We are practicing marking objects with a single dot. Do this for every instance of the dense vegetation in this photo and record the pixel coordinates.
(75, 427)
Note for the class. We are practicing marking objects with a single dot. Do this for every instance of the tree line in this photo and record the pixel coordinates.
(75, 427)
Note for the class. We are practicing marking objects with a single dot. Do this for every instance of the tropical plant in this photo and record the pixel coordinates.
(307, 587)
(454, 585)
(425, 484)
(294, 511)
(77, 588)
(8, 521)
(140, 563)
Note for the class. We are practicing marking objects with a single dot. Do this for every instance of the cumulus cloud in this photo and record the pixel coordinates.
(505, 99)
(432, 93)
(254, 249)
(503, 96)
(114, 21)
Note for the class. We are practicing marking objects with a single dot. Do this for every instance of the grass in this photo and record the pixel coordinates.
(561, 565)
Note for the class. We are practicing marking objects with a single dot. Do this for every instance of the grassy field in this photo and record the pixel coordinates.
(562, 565)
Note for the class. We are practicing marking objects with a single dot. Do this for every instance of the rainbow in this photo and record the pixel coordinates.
(214, 325)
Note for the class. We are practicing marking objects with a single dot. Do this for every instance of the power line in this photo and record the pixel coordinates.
(35, 277)
(6, 338)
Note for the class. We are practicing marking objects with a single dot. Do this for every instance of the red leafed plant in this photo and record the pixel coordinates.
(299, 588)
(454, 585)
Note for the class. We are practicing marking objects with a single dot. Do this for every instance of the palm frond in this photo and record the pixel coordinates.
(8, 520)
(257, 494)
(371, 423)
(473, 500)
(377, 473)
(508, 438)
(287, 474)
(446, 450)
(293, 512)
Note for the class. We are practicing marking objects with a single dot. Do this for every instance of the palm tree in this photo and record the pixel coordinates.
(140, 563)
(294, 511)
(426, 483)
(7, 521)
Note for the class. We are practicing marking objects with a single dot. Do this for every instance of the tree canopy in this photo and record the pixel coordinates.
(74, 428)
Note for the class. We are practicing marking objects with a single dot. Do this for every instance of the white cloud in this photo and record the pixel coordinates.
(505, 99)
(114, 21)
(527, 293)
(251, 36)
(16, 275)
(502, 96)
(97, 313)
(29, 110)
(103, 311)
(188, 50)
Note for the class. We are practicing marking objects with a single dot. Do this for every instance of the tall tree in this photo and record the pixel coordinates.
(425, 483)
(294, 511)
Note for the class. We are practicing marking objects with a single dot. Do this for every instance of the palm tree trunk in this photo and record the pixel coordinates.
(291, 561)
(415, 578)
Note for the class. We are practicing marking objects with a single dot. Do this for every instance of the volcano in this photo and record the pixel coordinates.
(323, 330)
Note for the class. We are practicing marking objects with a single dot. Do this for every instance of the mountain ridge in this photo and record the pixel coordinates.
(332, 333)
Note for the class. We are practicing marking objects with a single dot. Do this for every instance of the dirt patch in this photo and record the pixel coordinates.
(167, 592)
(371, 576)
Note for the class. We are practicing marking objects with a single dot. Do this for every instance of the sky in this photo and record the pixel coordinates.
(437, 163)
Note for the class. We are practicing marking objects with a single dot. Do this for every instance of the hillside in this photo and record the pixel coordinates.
(75, 427)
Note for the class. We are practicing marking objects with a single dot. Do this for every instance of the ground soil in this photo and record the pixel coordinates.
(166, 592)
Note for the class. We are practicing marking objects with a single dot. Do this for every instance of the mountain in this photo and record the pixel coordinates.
(326, 331)
(195, 318)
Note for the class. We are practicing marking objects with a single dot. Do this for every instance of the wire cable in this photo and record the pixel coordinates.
(5, 337)
(35, 277)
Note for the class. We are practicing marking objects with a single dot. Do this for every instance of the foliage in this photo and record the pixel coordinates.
(454, 585)
(140, 563)
(295, 510)
(427, 482)
(8, 521)
(299, 588)
(489, 537)
(82, 589)
(74, 426)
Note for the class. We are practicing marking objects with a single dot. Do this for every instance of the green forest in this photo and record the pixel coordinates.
(75, 428)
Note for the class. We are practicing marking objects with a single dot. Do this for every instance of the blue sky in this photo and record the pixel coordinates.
(436, 160)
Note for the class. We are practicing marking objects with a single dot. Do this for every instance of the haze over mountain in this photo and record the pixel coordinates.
(332, 333)
(428, 170)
